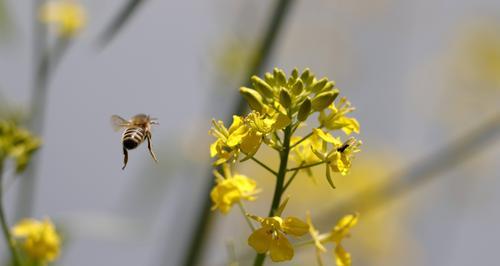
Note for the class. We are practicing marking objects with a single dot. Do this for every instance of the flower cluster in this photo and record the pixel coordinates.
(230, 189)
(17, 143)
(280, 107)
(40, 241)
(68, 16)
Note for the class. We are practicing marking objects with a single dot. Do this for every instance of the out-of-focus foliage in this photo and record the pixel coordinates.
(17, 143)
(39, 240)
(67, 16)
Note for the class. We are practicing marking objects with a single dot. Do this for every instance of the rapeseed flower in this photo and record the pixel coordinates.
(17, 143)
(68, 16)
(40, 241)
(231, 189)
(272, 236)
(335, 118)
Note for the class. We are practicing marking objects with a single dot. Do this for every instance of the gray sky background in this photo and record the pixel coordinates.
(387, 57)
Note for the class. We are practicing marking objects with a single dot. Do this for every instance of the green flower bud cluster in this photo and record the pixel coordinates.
(17, 143)
(297, 96)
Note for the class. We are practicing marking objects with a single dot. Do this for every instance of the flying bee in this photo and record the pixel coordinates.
(137, 129)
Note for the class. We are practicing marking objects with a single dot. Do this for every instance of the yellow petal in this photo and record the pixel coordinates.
(281, 249)
(342, 257)
(295, 226)
(260, 240)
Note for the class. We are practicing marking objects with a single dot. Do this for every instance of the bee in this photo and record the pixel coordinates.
(137, 129)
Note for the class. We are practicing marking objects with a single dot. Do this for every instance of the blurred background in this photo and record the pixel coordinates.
(423, 75)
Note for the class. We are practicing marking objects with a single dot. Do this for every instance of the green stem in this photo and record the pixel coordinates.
(301, 140)
(305, 166)
(16, 261)
(264, 165)
(279, 188)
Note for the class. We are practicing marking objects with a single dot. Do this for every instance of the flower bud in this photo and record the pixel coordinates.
(279, 76)
(285, 98)
(253, 98)
(319, 85)
(324, 99)
(298, 87)
(262, 87)
(304, 110)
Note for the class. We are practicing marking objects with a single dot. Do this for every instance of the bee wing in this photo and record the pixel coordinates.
(118, 122)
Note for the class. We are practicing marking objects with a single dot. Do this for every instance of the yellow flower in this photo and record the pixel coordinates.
(336, 119)
(317, 240)
(337, 234)
(17, 143)
(40, 239)
(340, 157)
(231, 189)
(229, 143)
(272, 236)
(67, 15)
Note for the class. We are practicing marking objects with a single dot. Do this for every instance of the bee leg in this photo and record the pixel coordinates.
(125, 158)
(148, 136)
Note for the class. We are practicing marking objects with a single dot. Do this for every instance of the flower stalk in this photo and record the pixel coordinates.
(16, 260)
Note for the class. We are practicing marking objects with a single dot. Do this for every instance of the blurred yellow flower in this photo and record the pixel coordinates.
(337, 234)
(40, 239)
(271, 236)
(67, 15)
(336, 118)
(231, 189)
(17, 143)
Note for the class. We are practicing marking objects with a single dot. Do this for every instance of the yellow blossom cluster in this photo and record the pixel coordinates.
(68, 16)
(17, 143)
(40, 241)
(280, 105)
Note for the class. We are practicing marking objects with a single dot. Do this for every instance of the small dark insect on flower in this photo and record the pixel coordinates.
(137, 129)
(346, 144)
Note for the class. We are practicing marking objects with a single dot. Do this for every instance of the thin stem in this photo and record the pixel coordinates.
(304, 166)
(244, 212)
(279, 188)
(301, 140)
(16, 261)
(264, 165)
(321, 238)
(291, 178)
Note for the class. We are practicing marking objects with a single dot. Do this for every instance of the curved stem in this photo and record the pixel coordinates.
(291, 179)
(279, 188)
(16, 261)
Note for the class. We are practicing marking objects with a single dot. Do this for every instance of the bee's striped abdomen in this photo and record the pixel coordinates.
(132, 137)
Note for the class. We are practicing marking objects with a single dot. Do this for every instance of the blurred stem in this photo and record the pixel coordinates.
(119, 21)
(16, 261)
(421, 172)
(46, 59)
(264, 165)
(279, 188)
(292, 178)
(244, 212)
(301, 140)
(305, 166)
(198, 235)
